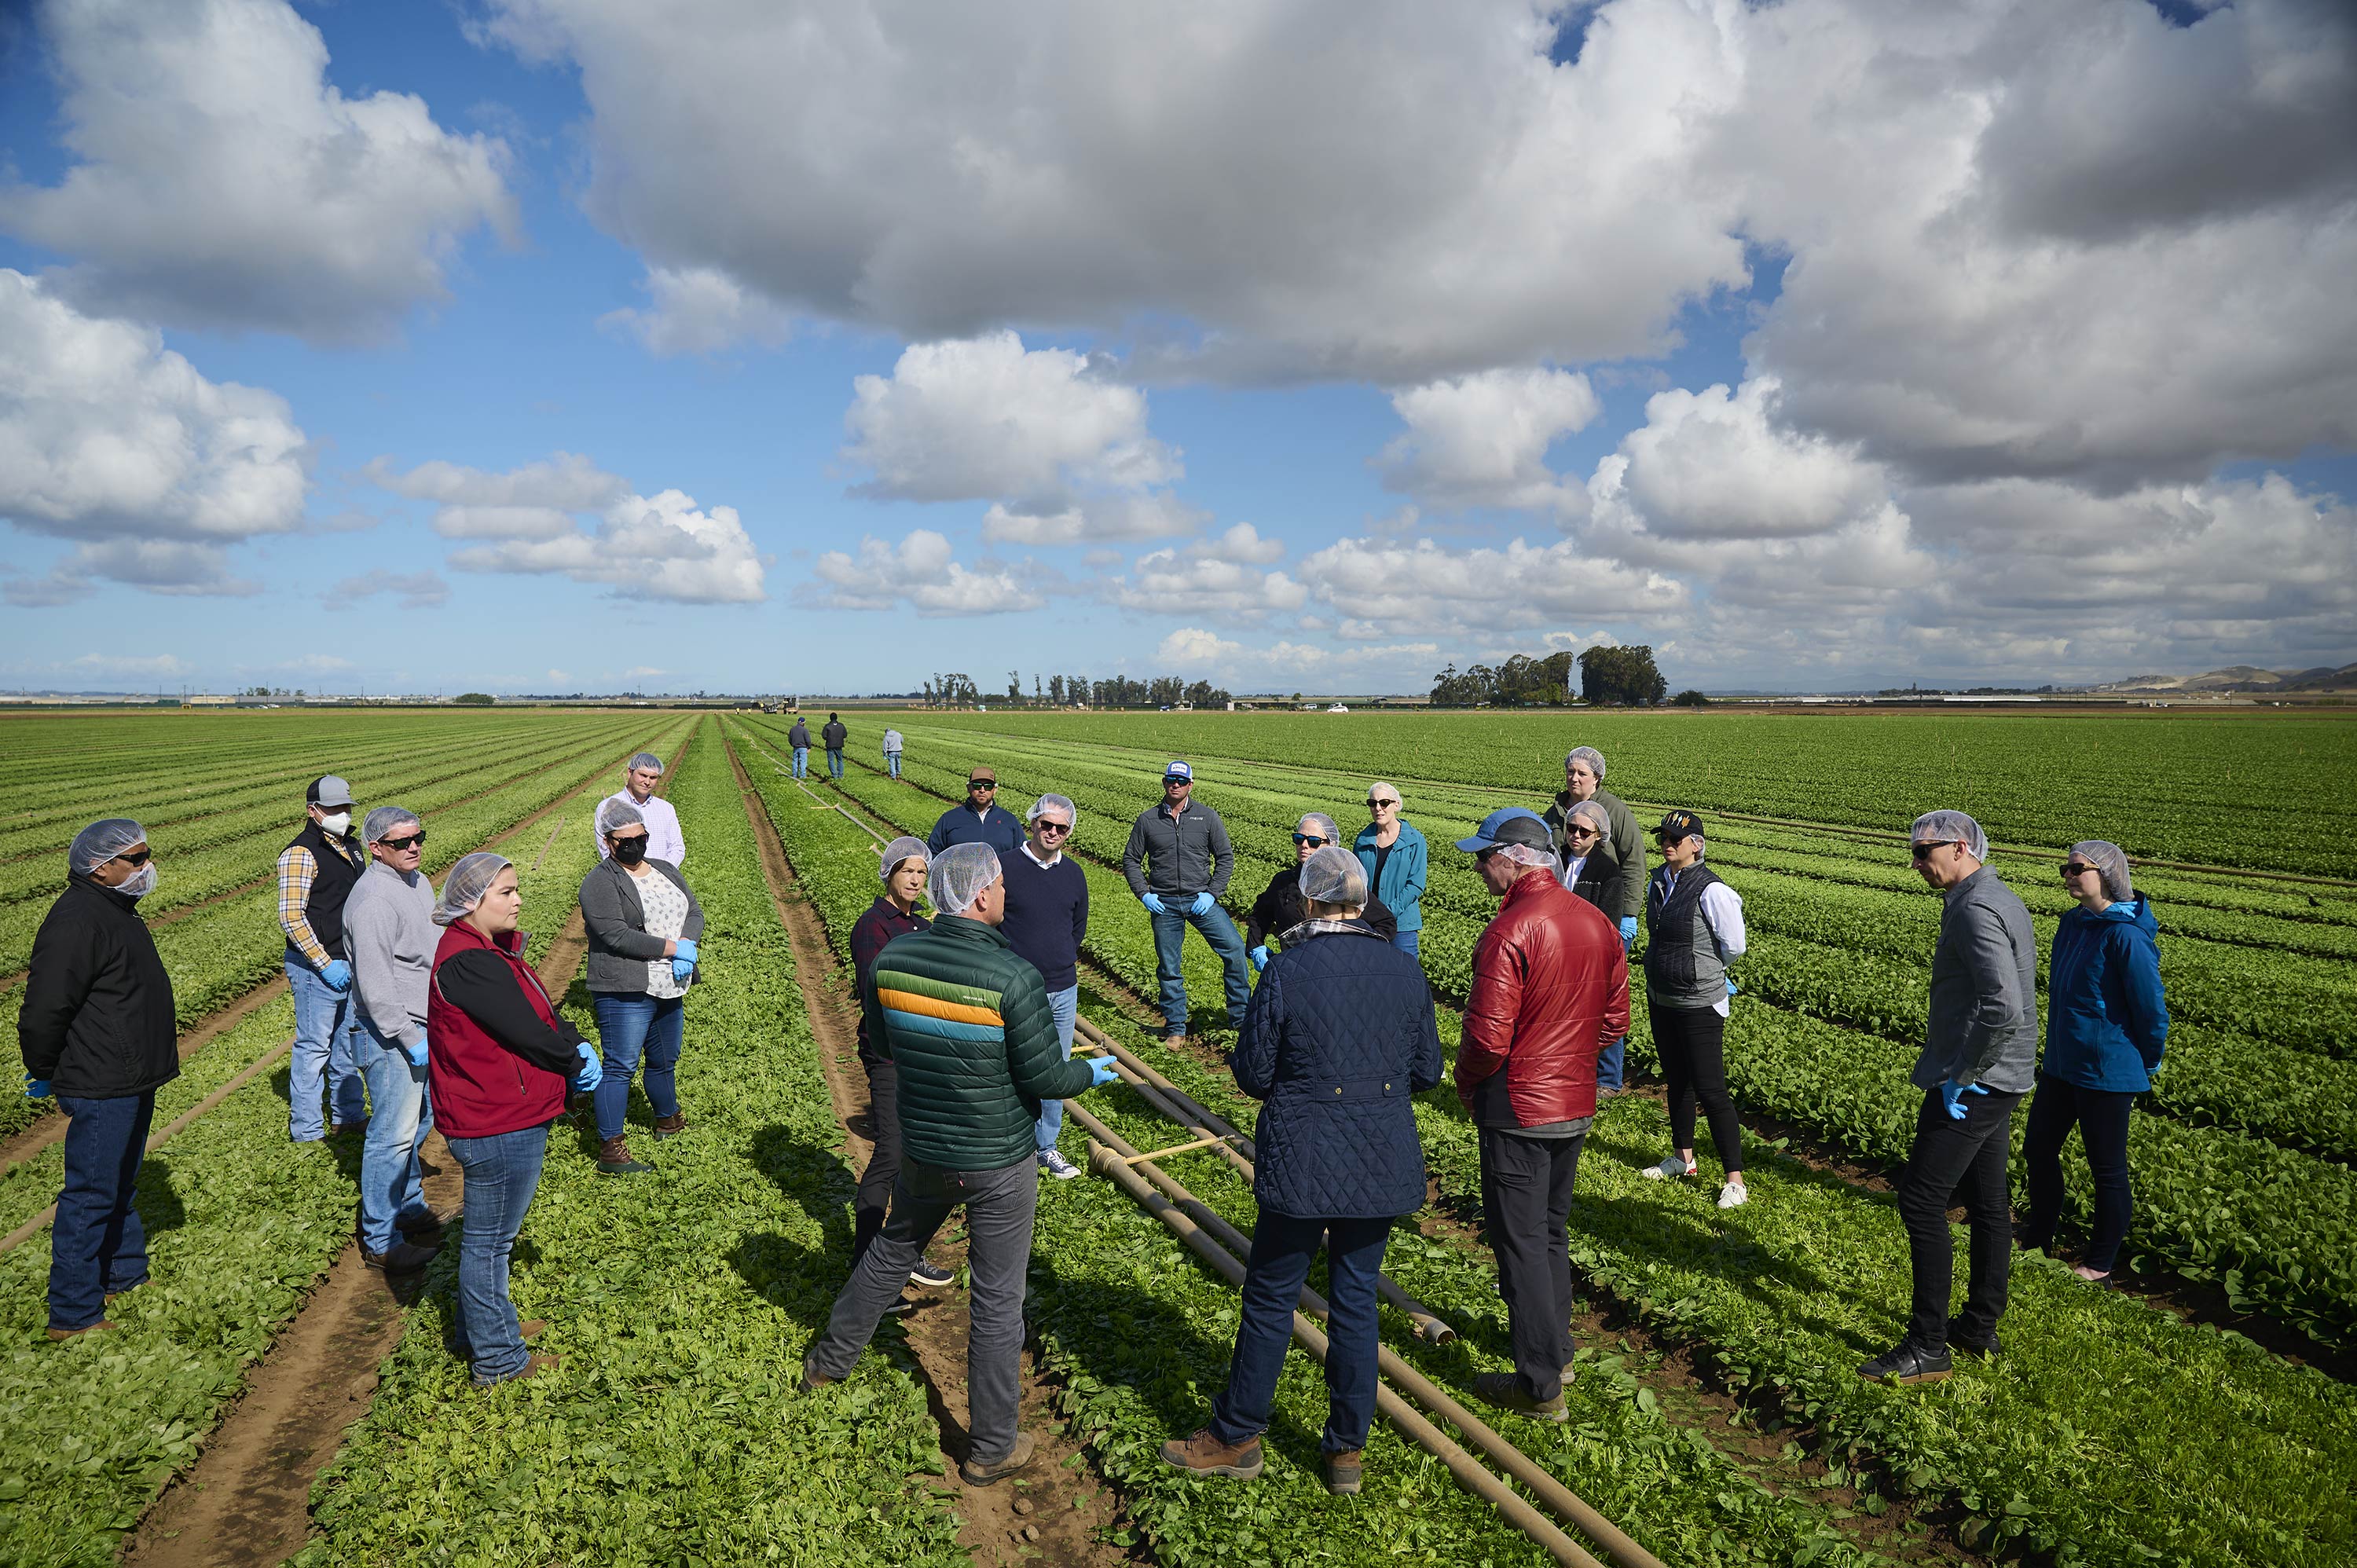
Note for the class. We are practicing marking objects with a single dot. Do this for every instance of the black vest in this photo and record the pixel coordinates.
(1682, 965)
(331, 883)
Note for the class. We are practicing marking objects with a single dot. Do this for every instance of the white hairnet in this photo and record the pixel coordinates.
(646, 759)
(383, 819)
(958, 873)
(1590, 812)
(1523, 854)
(1053, 803)
(1378, 790)
(102, 842)
(1590, 756)
(2112, 861)
(468, 881)
(1333, 876)
(1935, 827)
(1328, 829)
(900, 851)
(616, 814)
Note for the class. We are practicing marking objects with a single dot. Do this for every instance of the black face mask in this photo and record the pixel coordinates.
(631, 851)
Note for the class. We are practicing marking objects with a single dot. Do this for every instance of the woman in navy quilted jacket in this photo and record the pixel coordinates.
(1339, 1035)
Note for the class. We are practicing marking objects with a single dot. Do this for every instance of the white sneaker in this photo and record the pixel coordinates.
(1671, 1170)
(1733, 1196)
(1057, 1165)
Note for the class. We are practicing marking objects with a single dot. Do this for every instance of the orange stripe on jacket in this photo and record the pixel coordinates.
(931, 1006)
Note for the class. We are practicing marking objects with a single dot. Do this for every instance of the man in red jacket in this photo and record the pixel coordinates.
(1550, 989)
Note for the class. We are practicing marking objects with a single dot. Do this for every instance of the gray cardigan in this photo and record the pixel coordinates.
(619, 946)
(1983, 1026)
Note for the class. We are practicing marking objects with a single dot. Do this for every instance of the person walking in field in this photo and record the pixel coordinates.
(317, 872)
(1394, 854)
(499, 1059)
(1047, 920)
(892, 745)
(1550, 987)
(1694, 929)
(96, 1029)
(980, 820)
(1280, 906)
(1979, 1057)
(969, 1027)
(893, 914)
(834, 735)
(1178, 862)
(798, 738)
(1340, 1007)
(389, 926)
(640, 779)
(644, 927)
(2107, 1030)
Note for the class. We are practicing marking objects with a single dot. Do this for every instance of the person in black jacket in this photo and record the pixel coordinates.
(1280, 907)
(96, 1028)
(834, 735)
(1340, 1033)
(892, 914)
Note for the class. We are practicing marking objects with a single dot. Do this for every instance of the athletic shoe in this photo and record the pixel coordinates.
(1200, 1454)
(1671, 1170)
(1987, 1349)
(1909, 1363)
(932, 1274)
(1343, 1474)
(1733, 1196)
(1016, 1458)
(1057, 1165)
(1505, 1391)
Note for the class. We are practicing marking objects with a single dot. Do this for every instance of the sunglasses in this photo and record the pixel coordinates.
(408, 841)
(1379, 805)
(1312, 840)
(1055, 827)
(1923, 850)
(1583, 833)
(137, 857)
(2076, 868)
(980, 786)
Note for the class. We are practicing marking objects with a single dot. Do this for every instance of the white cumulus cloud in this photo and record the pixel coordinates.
(1481, 440)
(699, 310)
(921, 572)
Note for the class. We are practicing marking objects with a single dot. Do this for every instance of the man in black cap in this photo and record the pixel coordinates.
(1694, 929)
(316, 875)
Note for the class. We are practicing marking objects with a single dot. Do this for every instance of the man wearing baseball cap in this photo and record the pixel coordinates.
(1179, 861)
(316, 873)
(1550, 989)
(981, 820)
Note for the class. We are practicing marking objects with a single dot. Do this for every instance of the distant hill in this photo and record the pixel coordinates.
(2243, 678)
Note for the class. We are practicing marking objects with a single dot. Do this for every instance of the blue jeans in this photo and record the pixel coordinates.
(1406, 942)
(802, 760)
(1170, 932)
(892, 763)
(502, 1172)
(98, 1244)
(326, 1023)
(1612, 1064)
(834, 762)
(632, 1023)
(1066, 1005)
(1282, 1249)
(399, 1117)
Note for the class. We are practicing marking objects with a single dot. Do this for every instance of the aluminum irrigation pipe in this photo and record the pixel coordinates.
(823, 803)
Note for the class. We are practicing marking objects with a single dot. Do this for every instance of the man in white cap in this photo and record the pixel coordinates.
(1179, 861)
(316, 873)
(664, 841)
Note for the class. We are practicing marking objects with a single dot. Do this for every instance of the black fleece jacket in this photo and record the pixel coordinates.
(97, 1019)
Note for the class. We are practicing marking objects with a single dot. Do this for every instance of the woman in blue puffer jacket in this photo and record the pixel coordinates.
(2106, 1025)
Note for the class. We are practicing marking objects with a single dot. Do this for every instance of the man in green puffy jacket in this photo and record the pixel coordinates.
(968, 1028)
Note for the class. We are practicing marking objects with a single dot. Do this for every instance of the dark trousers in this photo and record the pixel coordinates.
(98, 1245)
(2102, 1116)
(1282, 1249)
(1526, 1205)
(874, 1199)
(1692, 1044)
(1948, 1155)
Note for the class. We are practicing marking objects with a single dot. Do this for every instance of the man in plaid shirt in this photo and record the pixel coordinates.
(316, 873)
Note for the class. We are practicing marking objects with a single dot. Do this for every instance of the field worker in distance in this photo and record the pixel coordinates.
(96, 1029)
(892, 914)
(2106, 1028)
(1339, 1035)
(1694, 929)
(664, 841)
(1178, 862)
(643, 927)
(834, 735)
(1393, 851)
(389, 925)
(1280, 908)
(1550, 987)
(969, 1027)
(980, 820)
(1979, 1057)
(1591, 873)
(499, 1059)
(798, 738)
(892, 744)
(1583, 779)
(1047, 920)
(316, 873)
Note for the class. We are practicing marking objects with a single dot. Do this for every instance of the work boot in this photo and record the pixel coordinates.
(1016, 1458)
(531, 1368)
(400, 1258)
(1505, 1391)
(1343, 1474)
(670, 1126)
(101, 1326)
(614, 1158)
(1204, 1455)
(425, 1227)
(813, 1382)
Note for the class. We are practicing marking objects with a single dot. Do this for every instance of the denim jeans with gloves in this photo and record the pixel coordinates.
(392, 1183)
(631, 1023)
(326, 1023)
(98, 1245)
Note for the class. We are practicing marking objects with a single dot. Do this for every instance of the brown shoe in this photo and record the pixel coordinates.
(1505, 1391)
(531, 1368)
(614, 1159)
(1204, 1455)
(813, 1382)
(1016, 1458)
(101, 1326)
(670, 1126)
(530, 1328)
(345, 1129)
(1343, 1474)
(400, 1258)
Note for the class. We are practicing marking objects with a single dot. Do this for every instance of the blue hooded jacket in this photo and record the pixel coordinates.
(1403, 873)
(2106, 1019)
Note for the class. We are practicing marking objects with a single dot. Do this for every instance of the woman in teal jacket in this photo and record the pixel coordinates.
(1392, 854)
(2106, 1027)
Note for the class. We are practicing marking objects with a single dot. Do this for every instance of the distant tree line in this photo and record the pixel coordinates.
(1609, 677)
(959, 691)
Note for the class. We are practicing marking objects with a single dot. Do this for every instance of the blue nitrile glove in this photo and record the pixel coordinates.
(685, 948)
(1951, 1096)
(1201, 905)
(1628, 931)
(416, 1054)
(1153, 903)
(36, 1088)
(1731, 987)
(1259, 957)
(338, 974)
(1103, 1071)
(680, 970)
(593, 1071)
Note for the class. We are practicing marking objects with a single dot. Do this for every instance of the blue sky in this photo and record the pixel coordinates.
(1790, 361)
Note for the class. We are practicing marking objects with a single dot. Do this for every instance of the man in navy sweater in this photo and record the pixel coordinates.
(1047, 916)
(980, 819)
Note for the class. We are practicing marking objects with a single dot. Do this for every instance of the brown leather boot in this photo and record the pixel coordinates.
(614, 1159)
(1344, 1474)
(670, 1126)
(1205, 1454)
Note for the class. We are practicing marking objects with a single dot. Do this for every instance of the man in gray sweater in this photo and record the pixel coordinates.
(390, 932)
(1979, 1057)
(1178, 862)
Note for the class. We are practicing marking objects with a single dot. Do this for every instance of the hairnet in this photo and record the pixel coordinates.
(1951, 826)
(2112, 861)
(1333, 876)
(1328, 829)
(901, 850)
(1590, 756)
(646, 759)
(1053, 803)
(619, 815)
(102, 842)
(383, 819)
(958, 872)
(468, 881)
(1378, 790)
(1589, 811)
(1523, 854)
